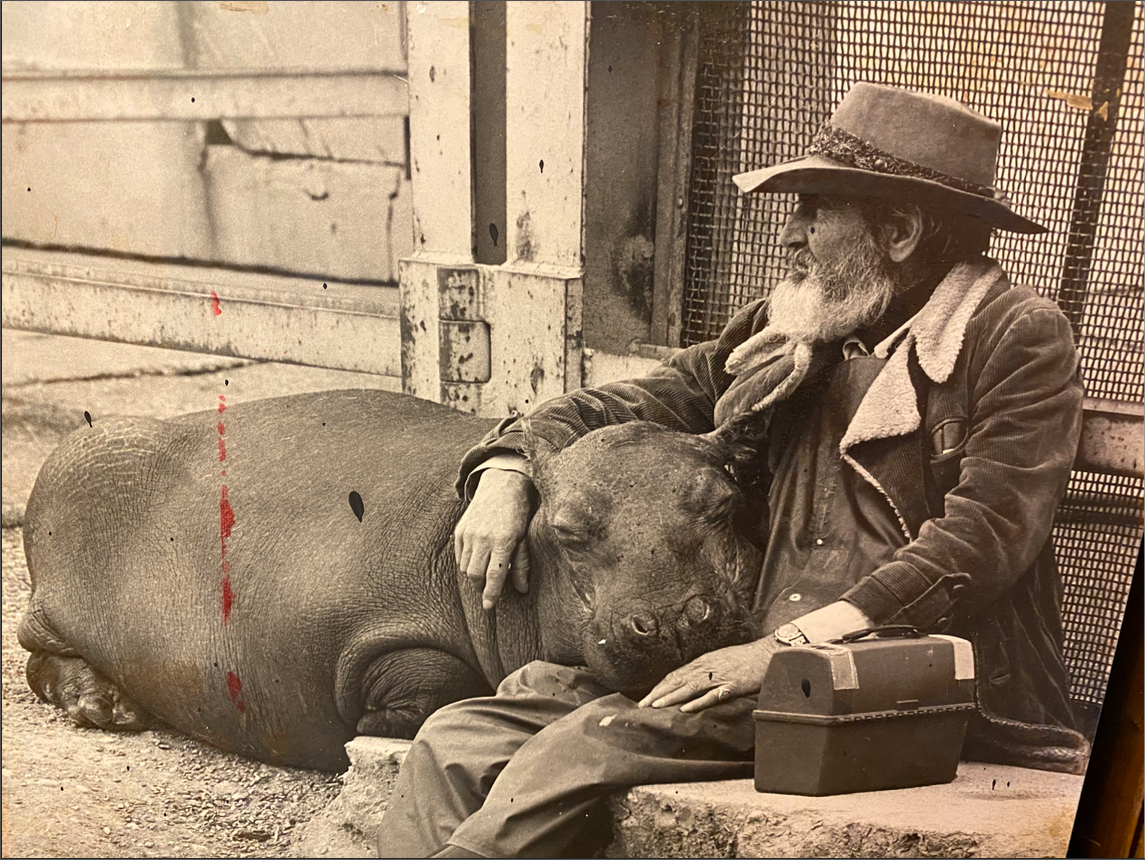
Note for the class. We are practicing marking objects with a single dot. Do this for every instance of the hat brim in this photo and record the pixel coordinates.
(817, 174)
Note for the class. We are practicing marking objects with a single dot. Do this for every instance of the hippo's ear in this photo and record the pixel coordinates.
(537, 451)
(740, 439)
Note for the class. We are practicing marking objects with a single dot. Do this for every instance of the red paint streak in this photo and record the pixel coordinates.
(215, 303)
(226, 516)
(226, 523)
(228, 597)
(235, 686)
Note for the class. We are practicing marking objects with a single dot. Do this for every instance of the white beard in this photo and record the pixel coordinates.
(817, 304)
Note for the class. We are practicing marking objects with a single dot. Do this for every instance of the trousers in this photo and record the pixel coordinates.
(519, 773)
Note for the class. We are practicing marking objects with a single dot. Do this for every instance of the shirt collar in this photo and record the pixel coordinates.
(853, 347)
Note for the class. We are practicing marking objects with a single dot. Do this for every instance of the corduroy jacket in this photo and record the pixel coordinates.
(969, 432)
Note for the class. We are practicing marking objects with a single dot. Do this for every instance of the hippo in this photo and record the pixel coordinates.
(278, 576)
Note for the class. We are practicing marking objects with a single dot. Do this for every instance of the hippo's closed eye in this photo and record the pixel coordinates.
(573, 531)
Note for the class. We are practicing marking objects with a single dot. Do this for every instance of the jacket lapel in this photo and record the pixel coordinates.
(882, 441)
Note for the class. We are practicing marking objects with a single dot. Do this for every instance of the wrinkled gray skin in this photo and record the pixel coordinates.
(339, 627)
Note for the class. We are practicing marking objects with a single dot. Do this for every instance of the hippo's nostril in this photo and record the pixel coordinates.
(697, 610)
(643, 625)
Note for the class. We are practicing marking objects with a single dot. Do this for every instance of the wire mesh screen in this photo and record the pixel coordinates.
(770, 73)
(1096, 538)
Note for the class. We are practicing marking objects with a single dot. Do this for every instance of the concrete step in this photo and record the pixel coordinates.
(988, 811)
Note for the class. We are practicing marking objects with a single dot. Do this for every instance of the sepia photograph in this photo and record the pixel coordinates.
(573, 428)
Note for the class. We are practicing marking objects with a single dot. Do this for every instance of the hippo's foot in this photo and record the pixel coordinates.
(88, 697)
(404, 687)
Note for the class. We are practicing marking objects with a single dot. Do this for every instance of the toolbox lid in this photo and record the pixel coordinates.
(869, 674)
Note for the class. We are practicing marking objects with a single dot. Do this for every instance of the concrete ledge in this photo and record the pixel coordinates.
(245, 315)
(988, 811)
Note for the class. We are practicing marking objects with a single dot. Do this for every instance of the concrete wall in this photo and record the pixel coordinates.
(324, 194)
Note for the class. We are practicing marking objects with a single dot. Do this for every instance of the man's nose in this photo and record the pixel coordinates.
(794, 235)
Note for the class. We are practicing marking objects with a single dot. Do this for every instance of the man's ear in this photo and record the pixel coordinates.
(902, 232)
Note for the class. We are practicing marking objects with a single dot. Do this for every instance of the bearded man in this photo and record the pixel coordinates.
(921, 418)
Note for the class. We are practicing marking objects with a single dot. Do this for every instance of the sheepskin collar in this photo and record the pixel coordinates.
(936, 334)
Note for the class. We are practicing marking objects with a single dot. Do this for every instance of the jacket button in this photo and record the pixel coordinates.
(795, 598)
(818, 541)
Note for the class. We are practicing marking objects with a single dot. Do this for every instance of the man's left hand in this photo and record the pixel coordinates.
(715, 677)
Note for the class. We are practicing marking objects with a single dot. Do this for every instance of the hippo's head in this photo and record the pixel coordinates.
(637, 524)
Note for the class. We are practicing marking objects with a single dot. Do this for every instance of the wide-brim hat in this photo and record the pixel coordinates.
(886, 142)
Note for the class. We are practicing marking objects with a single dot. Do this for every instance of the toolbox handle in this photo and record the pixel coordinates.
(889, 631)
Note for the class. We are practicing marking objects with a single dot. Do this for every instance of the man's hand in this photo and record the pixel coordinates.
(715, 677)
(490, 538)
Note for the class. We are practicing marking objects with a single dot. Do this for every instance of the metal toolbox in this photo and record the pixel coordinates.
(877, 709)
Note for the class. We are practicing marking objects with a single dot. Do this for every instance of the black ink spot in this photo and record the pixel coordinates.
(87, 417)
(129, 767)
(432, 74)
(216, 665)
(493, 232)
(192, 99)
(356, 505)
(610, 70)
(805, 686)
(709, 676)
(811, 231)
(29, 189)
(62, 788)
(993, 783)
(226, 382)
(172, 540)
(542, 165)
(323, 423)
(324, 286)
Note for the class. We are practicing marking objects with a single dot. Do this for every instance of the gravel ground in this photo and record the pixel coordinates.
(71, 792)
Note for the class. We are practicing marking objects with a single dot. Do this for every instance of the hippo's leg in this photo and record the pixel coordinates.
(59, 676)
(402, 688)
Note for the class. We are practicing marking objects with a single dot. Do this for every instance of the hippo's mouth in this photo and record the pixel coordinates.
(635, 667)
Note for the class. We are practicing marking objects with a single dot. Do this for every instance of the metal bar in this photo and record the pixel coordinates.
(678, 103)
(1108, 83)
(196, 95)
(487, 41)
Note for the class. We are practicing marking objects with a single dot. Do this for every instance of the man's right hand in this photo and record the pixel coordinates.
(490, 537)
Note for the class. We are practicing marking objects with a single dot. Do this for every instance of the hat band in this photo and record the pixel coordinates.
(839, 145)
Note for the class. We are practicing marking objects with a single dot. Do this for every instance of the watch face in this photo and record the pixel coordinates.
(789, 634)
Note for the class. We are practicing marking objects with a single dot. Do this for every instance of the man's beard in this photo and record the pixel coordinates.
(819, 303)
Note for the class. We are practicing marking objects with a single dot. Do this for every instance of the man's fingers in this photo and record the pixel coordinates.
(712, 697)
(520, 568)
(671, 682)
(681, 694)
(476, 566)
(462, 550)
(496, 573)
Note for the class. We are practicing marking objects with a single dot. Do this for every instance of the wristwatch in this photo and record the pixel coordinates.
(790, 634)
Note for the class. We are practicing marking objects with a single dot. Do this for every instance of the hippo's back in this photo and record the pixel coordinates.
(215, 564)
